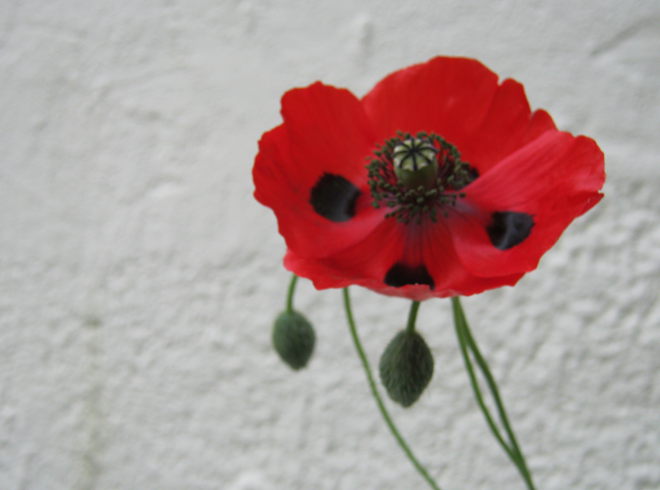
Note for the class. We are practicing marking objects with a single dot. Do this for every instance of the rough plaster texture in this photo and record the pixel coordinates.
(139, 280)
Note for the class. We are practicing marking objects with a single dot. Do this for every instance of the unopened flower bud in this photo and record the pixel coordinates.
(406, 367)
(293, 339)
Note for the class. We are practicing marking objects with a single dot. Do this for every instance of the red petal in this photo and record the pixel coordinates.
(366, 263)
(446, 96)
(331, 135)
(508, 125)
(330, 131)
(555, 178)
(450, 276)
(324, 277)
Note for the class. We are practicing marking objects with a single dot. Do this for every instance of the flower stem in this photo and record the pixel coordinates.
(292, 290)
(374, 390)
(412, 316)
(468, 345)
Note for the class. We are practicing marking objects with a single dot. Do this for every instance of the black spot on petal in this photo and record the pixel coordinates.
(402, 275)
(334, 197)
(508, 228)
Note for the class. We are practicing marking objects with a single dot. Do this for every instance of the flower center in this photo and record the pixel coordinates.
(417, 176)
(415, 163)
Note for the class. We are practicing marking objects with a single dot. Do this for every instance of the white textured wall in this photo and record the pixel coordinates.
(139, 279)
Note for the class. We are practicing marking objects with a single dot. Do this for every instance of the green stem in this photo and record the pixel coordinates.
(412, 316)
(492, 385)
(292, 290)
(467, 342)
(374, 391)
(475, 384)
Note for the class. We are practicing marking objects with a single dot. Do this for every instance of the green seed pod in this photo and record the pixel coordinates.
(415, 163)
(406, 367)
(293, 339)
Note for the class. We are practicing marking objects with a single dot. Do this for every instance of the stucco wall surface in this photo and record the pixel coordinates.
(139, 279)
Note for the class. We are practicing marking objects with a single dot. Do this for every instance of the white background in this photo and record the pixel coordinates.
(139, 278)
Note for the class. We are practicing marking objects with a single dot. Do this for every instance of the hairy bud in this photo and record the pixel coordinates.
(293, 339)
(406, 367)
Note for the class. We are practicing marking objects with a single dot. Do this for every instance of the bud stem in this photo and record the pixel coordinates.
(374, 390)
(469, 348)
(412, 316)
(290, 293)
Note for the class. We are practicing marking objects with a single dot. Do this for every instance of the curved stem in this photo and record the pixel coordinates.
(374, 391)
(492, 385)
(412, 316)
(292, 290)
(466, 341)
(475, 386)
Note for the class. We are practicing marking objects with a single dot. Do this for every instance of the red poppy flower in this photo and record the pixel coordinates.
(439, 182)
